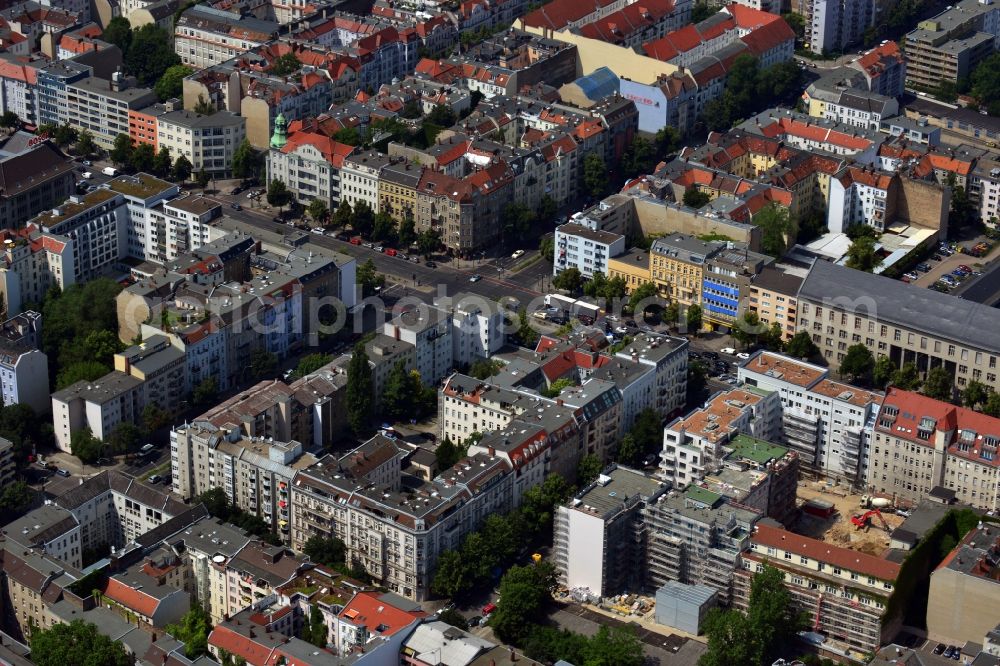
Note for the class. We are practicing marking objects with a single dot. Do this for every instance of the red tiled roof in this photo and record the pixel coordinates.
(133, 599)
(616, 27)
(557, 14)
(370, 610)
(237, 645)
(875, 61)
(768, 37)
(845, 558)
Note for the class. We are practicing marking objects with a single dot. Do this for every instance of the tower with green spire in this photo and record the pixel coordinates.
(280, 136)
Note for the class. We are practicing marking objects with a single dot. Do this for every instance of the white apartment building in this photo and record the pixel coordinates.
(920, 444)
(692, 445)
(208, 142)
(101, 107)
(97, 224)
(359, 178)
(406, 528)
(478, 326)
(585, 249)
(24, 376)
(18, 82)
(860, 196)
(861, 109)
(309, 164)
(837, 24)
(430, 331)
(827, 423)
(30, 263)
(255, 472)
(206, 36)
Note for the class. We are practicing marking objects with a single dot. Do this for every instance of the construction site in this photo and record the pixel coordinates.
(839, 517)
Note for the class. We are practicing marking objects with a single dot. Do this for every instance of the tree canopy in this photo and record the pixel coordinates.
(78, 643)
(171, 83)
(801, 346)
(776, 229)
(862, 255)
(858, 362)
(524, 595)
(939, 384)
(193, 630)
(150, 54)
(569, 280)
(360, 391)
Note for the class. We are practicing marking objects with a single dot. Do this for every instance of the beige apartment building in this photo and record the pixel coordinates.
(963, 602)
(206, 36)
(774, 298)
(396, 531)
(207, 141)
(947, 47)
(920, 443)
(102, 107)
(840, 307)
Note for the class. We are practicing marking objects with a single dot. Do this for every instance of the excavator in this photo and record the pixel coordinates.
(864, 520)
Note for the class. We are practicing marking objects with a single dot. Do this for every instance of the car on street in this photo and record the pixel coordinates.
(63, 473)
(155, 478)
(316, 230)
(415, 259)
(621, 330)
(489, 608)
(728, 350)
(475, 278)
(517, 254)
(236, 206)
(475, 620)
(146, 448)
(379, 249)
(236, 190)
(948, 651)
(390, 251)
(430, 264)
(368, 245)
(710, 354)
(743, 355)
(85, 163)
(923, 268)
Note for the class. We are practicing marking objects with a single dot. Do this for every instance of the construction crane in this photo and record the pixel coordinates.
(864, 520)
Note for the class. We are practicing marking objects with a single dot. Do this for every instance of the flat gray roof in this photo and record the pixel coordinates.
(891, 301)
(610, 493)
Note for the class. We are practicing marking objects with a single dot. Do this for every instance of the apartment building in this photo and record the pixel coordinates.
(411, 524)
(693, 444)
(30, 578)
(600, 536)
(18, 83)
(102, 106)
(34, 176)
(309, 163)
(7, 464)
(884, 69)
(207, 141)
(478, 326)
(677, 266)
(827, 423)
(430, 332)
(947, 47)
(696, 538)
(93, 228)
(255, 472)
(774, 297)
(726, 282)
(359, 179)
(920, 444)
(844, 592)
(838, 24)
(839, 307)
(24, 369)
(206, 36)
(397, 188)
(585, 249)
(964, 596)
(251, 577)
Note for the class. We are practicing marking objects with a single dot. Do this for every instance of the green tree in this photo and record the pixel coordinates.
(629, 452)
(9, 119)
(450, 575)
(588, 469)
(397, 395)
(80, 371)
(992, 406)
(368, 278)
(342, 217)
(142, 158)
(263, 363)
(862, 256)
(171, 84)
(442, 116)
(216, 503)
(645, 292)
(206, 392)
(568, 280)
(801, 346)
(162, 163)
(986, 84)
(547, 208)
(155, 417)
(121, 150)
(85, 145)
(939, 384)
(693, 318)
(695, 198)
(906, 378)
(310, 363)
(204, 106)
(150, 54)
(278, 194)
(327, 551)
(360, 392)
(701, 11)
(524, 595)
(730, 639)
(618, 646)
(796, 23)
(285, 65)
(246, 161)
(15, 498)
(362, 218)
(193, 630)
(447, 454)
(516, 219)
(595, 174)
(975, 394)
(384, 229)
(407, 231)
(639, 158)
(858, 363)
(78, 643)
(454, 618)
(202, 178)
(746, 329)
(85, 446)
(182, 169)
(119, 33)
(125, 437)
(349, 136)
(484, 368)
(428, 241)
(775, 228)
(318, 631)
(883, 371)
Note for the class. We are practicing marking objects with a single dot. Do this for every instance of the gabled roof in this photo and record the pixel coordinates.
(375, 612)
(821, 551)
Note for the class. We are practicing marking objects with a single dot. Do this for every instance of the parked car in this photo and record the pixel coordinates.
(965, 268)
(489, 608)
(743, 355)
(948, 651)
(911, 275)
(390, 251)
(155, 478)
(236, 190)
(711, 354)
(475, 620)
(356, 240)
(476, 278)
(236, 206)
(378, 248)
(86, 163)
(728, 350)
(517, 254)
(939, 649)
(415, 259)
(923, 267)
(370, 246)
(937, 257)
(431, 264)
(585, 319)
(146, 448)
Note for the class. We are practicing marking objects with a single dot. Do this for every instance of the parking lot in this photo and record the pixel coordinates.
(948, 264)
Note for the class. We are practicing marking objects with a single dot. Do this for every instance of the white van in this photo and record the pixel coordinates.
(109, 171)
(86, 175)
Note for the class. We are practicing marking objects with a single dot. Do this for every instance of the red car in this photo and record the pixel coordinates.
(964, 269)
(391, 252)
(489, 608)
(356, 240)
